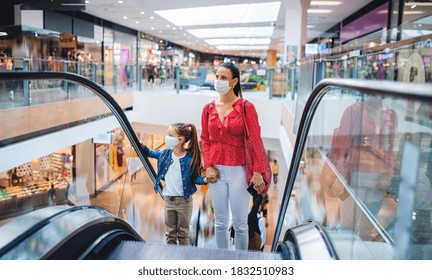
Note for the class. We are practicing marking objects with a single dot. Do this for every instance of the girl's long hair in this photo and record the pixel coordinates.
(189, 131)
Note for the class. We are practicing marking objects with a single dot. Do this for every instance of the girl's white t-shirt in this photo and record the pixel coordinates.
(173, 178)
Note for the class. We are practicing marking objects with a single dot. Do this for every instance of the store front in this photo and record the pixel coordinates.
(39, 183)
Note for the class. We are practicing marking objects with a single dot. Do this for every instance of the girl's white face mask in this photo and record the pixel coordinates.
(221, 86)
(171, 142)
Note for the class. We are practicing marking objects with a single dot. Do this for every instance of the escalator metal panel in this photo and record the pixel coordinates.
(310, 242)
(134, 250)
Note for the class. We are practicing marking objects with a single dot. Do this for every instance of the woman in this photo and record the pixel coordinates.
(362, 152)
(223, 150)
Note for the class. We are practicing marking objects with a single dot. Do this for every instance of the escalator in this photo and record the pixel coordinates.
(93, 232)
(78, 230)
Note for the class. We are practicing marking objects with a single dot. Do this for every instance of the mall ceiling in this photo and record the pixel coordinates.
(140, 15)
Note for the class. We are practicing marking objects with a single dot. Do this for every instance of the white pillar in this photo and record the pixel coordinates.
(295, 29)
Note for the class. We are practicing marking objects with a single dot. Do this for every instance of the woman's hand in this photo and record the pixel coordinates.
(212, 174)
(336, 188)
(258, 181)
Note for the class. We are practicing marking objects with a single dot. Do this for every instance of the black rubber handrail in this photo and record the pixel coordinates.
(102, 94)
(406, 91)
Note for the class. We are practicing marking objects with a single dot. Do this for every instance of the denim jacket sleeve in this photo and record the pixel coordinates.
(152, 153)
(199, 180)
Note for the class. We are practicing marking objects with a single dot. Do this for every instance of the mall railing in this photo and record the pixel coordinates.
(361, 169)
(398, 54)
(124, 78)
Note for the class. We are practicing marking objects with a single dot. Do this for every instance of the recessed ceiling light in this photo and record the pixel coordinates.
(418, 4)
(142, 13)
(223, 14)
(152, 17)
(120, 2)
(239, 41)
(318, 11)
(152, 28)
(414, 12)
(125, 17)
(240, 47)
(233, 32)
(325, 3)
(137, 22)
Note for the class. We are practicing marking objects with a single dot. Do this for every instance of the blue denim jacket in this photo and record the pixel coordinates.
(164, 158)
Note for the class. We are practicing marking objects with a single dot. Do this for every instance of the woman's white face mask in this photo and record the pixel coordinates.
(171, 142)
(222, 86)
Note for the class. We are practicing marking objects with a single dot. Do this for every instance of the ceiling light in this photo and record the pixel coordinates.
(413, 12)
(223, 14)
(120, 2)
(125, 17)
(418, 4)
(142, 13)
(325, 3)
(152, 17)
(87, 2)
(318, 11)
(152, 28)
(240, 47)
(239, 41)
(233, 32)
(137, 22)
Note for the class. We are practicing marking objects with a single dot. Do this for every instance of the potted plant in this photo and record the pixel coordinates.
(260, 81)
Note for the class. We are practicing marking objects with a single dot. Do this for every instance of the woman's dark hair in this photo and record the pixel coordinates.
(189, 132)
(235, 74)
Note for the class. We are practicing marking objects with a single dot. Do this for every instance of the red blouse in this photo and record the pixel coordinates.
(224, 143)
(373, 151)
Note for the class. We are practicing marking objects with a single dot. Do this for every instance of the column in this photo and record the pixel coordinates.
(271, 58)
(295, 29)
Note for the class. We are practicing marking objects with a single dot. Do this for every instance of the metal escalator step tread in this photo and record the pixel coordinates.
(134, 250)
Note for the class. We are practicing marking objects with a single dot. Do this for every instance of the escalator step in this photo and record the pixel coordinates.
(134, 250)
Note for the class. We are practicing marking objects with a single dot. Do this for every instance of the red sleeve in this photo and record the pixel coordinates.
(342, 139)
(255, 137)
(205, 139)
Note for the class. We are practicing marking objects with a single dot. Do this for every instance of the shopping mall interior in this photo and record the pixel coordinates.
(341, 89)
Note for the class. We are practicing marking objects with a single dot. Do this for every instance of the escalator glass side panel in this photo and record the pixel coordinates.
(21, 224)
(53, 232)
(351, 177)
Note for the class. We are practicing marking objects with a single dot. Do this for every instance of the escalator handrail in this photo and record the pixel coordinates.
(102, 94)
(387, 88)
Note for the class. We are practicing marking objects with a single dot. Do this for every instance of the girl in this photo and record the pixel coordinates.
(179, 165)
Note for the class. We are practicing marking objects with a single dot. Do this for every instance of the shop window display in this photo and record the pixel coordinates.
(39, 183)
